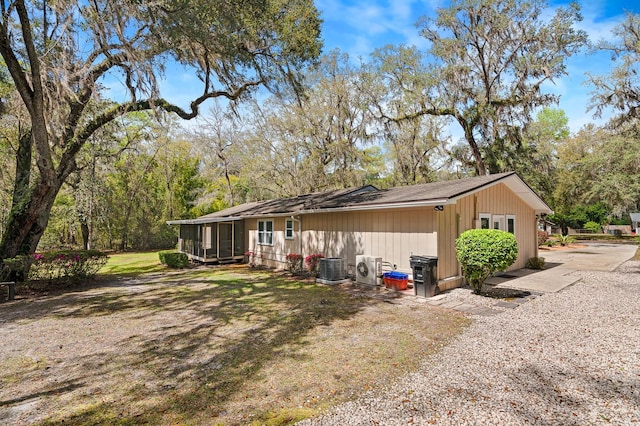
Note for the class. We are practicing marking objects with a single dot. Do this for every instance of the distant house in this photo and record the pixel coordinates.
(635, 222)
(391, 224)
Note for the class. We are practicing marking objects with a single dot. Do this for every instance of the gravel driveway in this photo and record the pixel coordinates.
(567, 358)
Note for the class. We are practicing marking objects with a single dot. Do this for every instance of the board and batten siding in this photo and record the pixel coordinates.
(500, 200)
(448, 230)
(394, 234)
(271, 255)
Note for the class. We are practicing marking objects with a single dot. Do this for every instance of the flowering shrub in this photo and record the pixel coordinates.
(64, 265)
(312, 261)
(542, 237)
(294, 263)
(250, 258)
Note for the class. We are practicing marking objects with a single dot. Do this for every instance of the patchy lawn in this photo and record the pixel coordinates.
(209, 345)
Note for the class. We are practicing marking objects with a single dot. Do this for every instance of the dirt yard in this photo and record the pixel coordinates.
(207, 346)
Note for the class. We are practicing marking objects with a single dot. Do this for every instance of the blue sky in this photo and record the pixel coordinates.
(357, 27)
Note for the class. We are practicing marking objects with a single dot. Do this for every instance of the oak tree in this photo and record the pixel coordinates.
(64, 57)
(620, 89)
(489, 62)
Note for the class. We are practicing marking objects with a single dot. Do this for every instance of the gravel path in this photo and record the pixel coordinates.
(567, 358)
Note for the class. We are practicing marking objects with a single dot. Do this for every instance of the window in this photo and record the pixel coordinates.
(485, 218)
(265, 232)
(498, 222)
(511, 223)
(288, 229)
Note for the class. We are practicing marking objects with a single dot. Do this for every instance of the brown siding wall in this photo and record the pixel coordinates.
(448, 232)
(500, 200)
(393, 235)
(396, 234)
(274, 255)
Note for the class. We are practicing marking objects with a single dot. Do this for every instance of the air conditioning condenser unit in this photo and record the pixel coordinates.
(368, 269)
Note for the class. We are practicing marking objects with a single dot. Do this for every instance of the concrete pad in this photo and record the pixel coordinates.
(485, 312)
(592, 257)
(497, 280)
(333, 282)
(465, 307)
(451, 305)
(437, 297)
(508, 305)
(547, 281)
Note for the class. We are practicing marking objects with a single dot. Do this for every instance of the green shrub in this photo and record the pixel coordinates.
(551, 243)
(173, 259)
(16, 268)
(482, 252)
(593, 227)
(535, 263)
(564, 240)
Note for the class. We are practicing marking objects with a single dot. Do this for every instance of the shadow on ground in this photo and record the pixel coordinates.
(227, 326)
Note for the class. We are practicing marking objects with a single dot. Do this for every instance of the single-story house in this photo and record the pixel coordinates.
(635, 222)
(391, 224)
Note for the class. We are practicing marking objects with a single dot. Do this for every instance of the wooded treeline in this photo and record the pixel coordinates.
(326, 122)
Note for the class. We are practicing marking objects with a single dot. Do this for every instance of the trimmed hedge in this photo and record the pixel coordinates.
(482, 252)
(605, 237)
(173, 259)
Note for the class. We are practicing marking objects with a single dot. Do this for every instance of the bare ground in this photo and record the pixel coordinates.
(206, 346)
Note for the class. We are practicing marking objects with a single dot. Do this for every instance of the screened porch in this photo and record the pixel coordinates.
(214, 241)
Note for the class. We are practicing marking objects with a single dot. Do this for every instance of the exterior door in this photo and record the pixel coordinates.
(225, 240)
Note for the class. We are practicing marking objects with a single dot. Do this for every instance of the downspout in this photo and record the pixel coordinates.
(295, 219)
(537, 243)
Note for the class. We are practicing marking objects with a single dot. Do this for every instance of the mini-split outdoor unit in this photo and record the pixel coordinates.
(368, 269)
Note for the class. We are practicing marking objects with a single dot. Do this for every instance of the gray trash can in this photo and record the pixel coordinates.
(424, 279)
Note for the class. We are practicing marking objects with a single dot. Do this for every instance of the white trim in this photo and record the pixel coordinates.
(287, 229)
(486, 216)
(517, 186)
(265, 232)
(201, 220)
(499, 220)
(506, 226)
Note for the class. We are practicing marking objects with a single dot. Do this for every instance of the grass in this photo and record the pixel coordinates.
(212, 345)
(132, 264)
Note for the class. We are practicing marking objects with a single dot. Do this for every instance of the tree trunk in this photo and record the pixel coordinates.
(28, 221)
(481, 168)
(84, 228)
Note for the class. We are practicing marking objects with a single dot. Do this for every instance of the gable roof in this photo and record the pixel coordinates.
(369, 198)
(635, 217)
